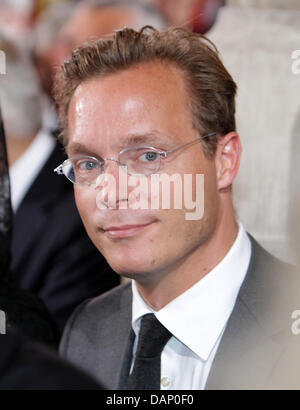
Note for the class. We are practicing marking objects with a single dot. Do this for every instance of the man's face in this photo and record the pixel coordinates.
(149, 101)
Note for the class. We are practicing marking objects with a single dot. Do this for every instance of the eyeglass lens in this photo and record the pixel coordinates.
(138, 161)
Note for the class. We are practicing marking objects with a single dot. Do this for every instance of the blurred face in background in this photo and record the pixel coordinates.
(87, 23)
(178, 12)
(197, 15)
(16, 17)
(83, 24)
(20, 98)
(20, 92)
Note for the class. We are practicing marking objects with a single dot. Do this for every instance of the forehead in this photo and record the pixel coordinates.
(151, 96)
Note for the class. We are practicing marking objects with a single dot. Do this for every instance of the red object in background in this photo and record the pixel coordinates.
(35, 11)
(205, 14)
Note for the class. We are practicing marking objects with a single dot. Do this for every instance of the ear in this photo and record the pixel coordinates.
(227, 160)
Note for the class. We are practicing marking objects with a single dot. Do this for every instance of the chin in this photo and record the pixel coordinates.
(130, 267)
(129, 270)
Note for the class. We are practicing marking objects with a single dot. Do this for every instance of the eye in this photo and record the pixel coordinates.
(86, 165)
(149, 156)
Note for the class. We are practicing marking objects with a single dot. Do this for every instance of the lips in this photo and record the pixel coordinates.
(124, 231)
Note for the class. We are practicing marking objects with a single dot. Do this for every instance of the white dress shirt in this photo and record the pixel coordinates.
(197, 319)
(24, 171)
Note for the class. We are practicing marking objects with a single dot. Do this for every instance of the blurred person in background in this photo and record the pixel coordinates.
(197, 15)
(25, 365)
(258, 53)
(51, 253)
(18, 308)
(15, 17)
(61, 29)
(49, 23)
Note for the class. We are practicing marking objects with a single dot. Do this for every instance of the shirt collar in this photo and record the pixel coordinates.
(198, 316)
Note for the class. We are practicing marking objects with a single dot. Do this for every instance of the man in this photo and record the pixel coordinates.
(207, 305)
(51, 254)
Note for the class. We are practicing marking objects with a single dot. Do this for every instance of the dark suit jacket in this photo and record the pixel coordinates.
(29, 366)
(51, 252)
(258, 349)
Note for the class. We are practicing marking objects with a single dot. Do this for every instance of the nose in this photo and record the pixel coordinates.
(112, 185)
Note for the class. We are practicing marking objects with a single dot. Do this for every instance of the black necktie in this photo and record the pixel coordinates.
(153, 337)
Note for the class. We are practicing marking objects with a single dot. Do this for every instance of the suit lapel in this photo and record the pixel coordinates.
(246, 356)
(117, 347)
(126, 361)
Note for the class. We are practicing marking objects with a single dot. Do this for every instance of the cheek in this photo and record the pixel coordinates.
(85, 202)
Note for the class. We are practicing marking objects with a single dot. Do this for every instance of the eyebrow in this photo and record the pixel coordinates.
(155, 138)
(138, 139)
(76, 148)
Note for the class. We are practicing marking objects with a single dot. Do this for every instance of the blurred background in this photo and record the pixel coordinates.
(256, 39)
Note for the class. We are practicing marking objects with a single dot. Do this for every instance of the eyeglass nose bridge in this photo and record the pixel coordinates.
(103, 162)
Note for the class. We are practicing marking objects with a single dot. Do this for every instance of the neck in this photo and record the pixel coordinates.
(16, 147)
(179, 278)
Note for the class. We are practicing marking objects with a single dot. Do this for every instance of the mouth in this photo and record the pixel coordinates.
(124, 231)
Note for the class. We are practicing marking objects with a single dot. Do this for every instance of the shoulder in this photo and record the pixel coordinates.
(265, 263)
(271, 289)
(98, 315)
(109, 303)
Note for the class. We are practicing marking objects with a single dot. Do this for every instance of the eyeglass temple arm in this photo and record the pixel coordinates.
(165, 153)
